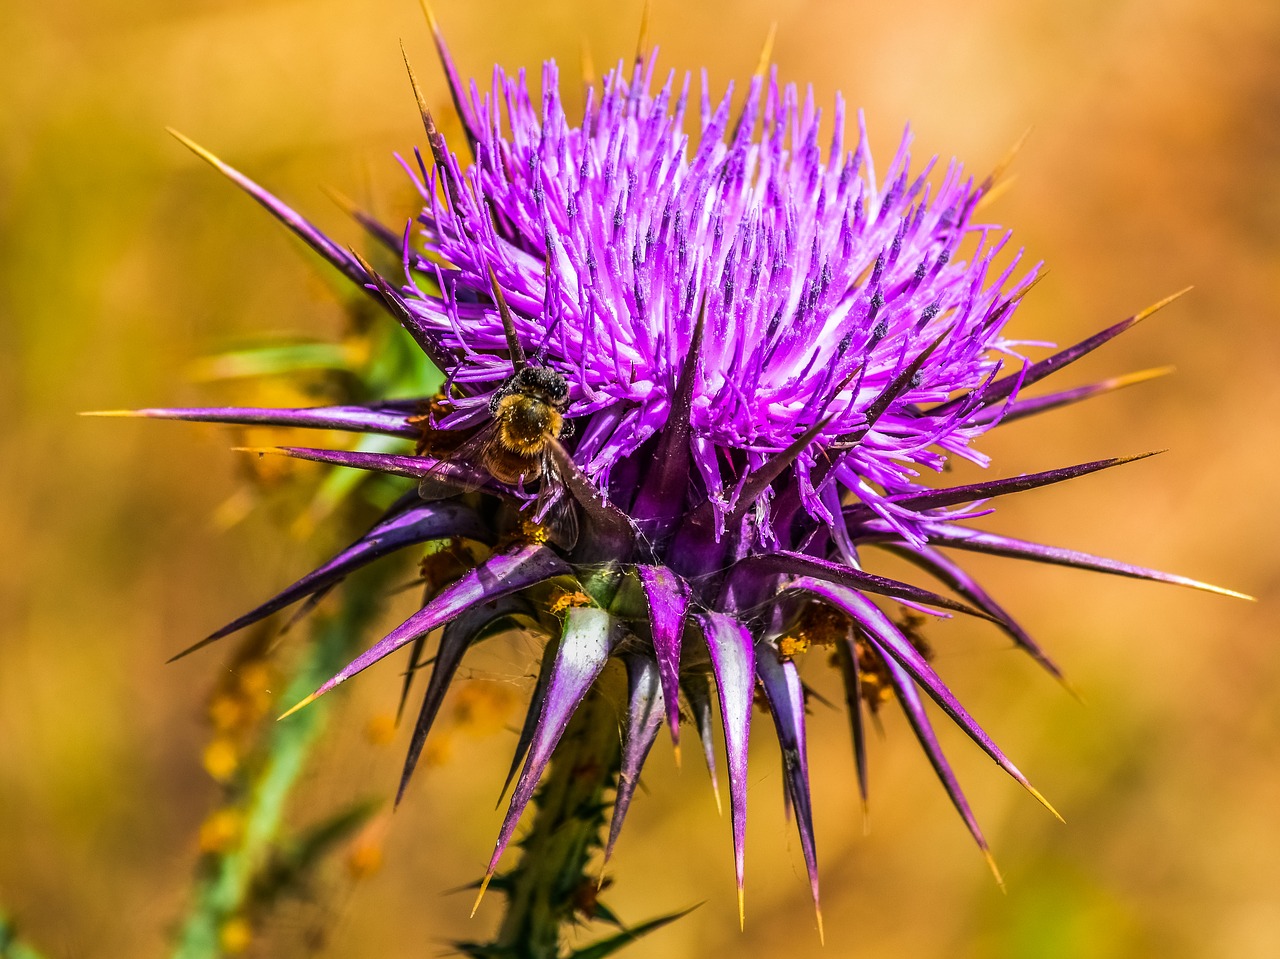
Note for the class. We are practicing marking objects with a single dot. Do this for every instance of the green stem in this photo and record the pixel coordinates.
(551, 886)
(225, 887)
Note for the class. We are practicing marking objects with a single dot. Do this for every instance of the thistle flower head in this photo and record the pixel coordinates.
(716, 367)
(818, 283)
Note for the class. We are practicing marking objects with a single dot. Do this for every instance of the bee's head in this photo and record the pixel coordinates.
(540, 382)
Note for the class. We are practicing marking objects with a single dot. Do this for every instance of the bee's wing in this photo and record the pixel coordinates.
(439, 483)
(555, 507)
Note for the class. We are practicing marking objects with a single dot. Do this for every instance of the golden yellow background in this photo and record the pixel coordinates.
(1154, 163)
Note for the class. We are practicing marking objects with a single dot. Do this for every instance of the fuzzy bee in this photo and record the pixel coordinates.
(527, 414)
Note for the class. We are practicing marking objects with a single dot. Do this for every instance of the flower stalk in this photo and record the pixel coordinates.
(553, 886)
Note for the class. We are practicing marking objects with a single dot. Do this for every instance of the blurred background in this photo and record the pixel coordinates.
(1153, 163)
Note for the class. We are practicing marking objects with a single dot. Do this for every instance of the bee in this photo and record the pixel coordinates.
(527, 415)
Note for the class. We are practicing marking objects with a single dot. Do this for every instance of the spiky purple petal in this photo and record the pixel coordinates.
(520, 567)
(418, 524)
(391, 420)
(732, 652)
(960, 537)
(785, 695)
(890, 642)
(588, 638)
(667, 596)
(644, 717)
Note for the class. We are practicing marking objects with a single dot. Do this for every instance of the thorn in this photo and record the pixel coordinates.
(1223, 591)
(643, 42)
(995, 870)
(994, 176)
(766, 52)
(742, 910)
(995, 193)
(132, 413)
(260, 450)
(1141, 376)
(822, 934)
(1044, 802)
(344, 202)
(197, 149)
(1072, 690)
(675, 750)
(1160, 305)
(289, 712)
(483, 886)
(417, 92)
(432, 25)
(715, 791)
(586, 64)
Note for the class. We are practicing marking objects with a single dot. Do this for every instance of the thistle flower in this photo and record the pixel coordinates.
(690, 382)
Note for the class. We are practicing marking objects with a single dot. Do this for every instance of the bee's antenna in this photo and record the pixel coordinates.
(518, 361)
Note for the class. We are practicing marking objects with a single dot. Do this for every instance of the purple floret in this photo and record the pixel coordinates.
(820, 281)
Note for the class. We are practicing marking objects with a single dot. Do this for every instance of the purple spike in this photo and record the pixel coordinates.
(959, 537)
(955, 495)
(889, 641)
(298, 224)
(471, 627)
(354, 419)
(426, 521)
(415, 467)
(847, 656)
(800, 564)
(379, 231)
(915, 713)
(644, 716)
(456, 90)
(524, 565)
(1021, 408)
(733, 660)
(762, 477)
(697, 692)
(785, 694)
(589, 637)
(668, 598)
(954, 576)
(1007, 385)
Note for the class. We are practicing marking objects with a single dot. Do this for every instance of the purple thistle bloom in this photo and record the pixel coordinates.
(716, 369)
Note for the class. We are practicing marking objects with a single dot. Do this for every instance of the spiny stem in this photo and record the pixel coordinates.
(551, 886)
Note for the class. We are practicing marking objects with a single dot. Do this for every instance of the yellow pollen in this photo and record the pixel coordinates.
(533, 532)
(566, 600)
(791, 646)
